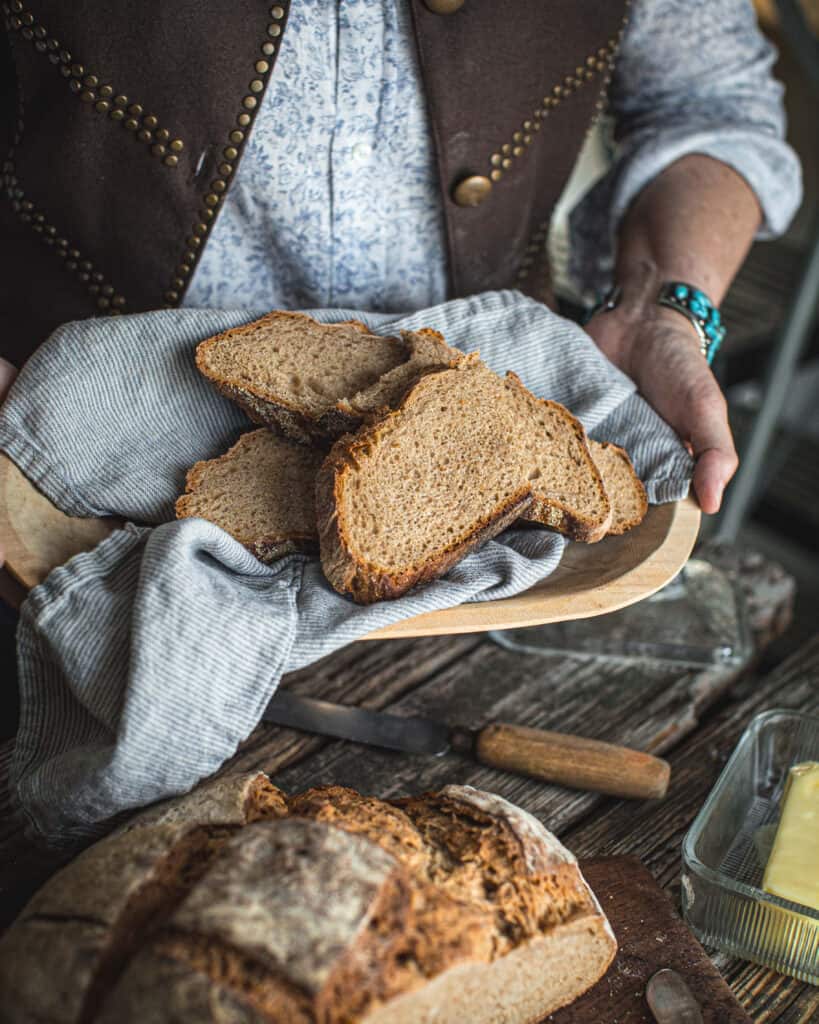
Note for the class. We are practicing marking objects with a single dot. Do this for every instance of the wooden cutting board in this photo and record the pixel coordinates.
(592, 579)
(650, 935)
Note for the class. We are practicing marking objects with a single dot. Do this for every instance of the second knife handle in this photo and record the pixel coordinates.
(572, 761)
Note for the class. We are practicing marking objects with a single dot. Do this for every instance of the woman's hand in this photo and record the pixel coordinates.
(660, 351)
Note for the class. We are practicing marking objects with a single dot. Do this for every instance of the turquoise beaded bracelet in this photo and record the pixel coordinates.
(693, 304)
(699, 310)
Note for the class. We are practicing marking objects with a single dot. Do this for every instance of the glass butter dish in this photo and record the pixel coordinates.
(728, 845)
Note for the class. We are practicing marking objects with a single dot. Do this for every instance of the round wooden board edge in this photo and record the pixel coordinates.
(521, 611)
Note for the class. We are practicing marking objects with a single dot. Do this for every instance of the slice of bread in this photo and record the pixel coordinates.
(624, 488)
(568, 490)
(261, 491)
(462, 456)
(313, 382)
(407, 497)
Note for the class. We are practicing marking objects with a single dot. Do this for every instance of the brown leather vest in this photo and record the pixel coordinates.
(131, 120)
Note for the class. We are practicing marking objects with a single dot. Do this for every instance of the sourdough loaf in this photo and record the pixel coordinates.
(463, 455)
(311, 381)
(241, 904)
(261, 491)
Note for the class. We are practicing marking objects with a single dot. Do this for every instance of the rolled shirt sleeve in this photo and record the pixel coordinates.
(693, 76)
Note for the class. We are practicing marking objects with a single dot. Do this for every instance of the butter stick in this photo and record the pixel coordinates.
(792, 871)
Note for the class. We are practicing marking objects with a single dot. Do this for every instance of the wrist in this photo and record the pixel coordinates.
(647, 298)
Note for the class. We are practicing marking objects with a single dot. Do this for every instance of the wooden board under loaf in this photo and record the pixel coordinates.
(650, 936)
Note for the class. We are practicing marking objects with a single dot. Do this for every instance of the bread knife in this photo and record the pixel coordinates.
(551, 756)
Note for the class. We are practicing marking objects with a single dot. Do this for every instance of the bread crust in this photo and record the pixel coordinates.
(325, 906)
(365, 582)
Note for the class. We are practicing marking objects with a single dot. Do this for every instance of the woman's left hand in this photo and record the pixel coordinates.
(660, 352)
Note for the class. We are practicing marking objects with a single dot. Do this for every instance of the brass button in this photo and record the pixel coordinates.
(262, 67)
(277, 12)
(230, 152)
(162, 135)
(237, 137)
(274, 30)
(144, 135)
(211, 199)
(106, 91)
(225, 169)
(268, 49)
(249, 102)
(177, 145)
(243, 120)
(150, 121)
(171, 160)
(444, 6)
(103, 106)
(256, 85)
(472, 191)
(171, 296)
(158, 149)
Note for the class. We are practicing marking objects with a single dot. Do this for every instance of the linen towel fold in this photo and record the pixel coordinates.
(145, 662)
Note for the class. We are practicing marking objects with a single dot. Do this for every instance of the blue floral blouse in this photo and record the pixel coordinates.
(336, 200)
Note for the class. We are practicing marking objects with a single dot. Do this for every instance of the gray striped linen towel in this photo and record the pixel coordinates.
(145, 662)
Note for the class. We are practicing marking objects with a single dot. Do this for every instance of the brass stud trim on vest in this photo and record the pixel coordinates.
(83, 82)
(212, 200)
(602, 59)
(28, 213)
(72, 259)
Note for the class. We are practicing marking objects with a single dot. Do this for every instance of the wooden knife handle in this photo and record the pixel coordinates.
(572, 761)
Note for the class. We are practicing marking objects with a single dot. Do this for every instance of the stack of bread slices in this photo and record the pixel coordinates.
(393, 456)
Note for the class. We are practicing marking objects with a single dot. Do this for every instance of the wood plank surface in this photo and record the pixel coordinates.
(592, 578)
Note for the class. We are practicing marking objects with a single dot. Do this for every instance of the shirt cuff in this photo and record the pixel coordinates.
(769, 166)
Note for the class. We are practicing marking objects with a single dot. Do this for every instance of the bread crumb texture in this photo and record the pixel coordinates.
(241, 904)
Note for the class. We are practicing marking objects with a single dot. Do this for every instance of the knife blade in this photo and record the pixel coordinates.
(551, 756)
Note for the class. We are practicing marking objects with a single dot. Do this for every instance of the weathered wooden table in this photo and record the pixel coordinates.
(693, 718)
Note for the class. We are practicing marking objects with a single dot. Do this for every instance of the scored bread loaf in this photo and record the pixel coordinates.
(625, 489)
(261, 491)
(240, 904)
(311, 381)
(463, 455)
